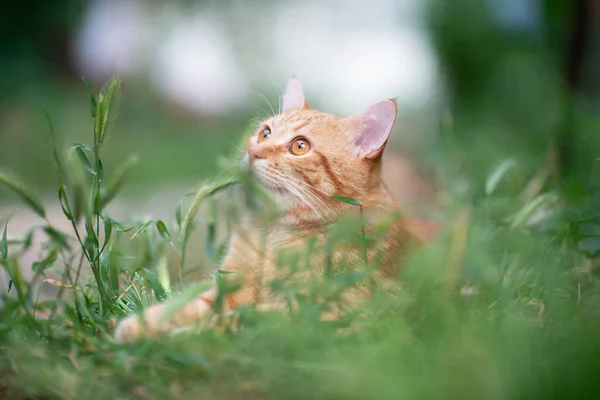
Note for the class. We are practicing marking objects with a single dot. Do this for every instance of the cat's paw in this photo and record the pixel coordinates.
(129, 329)
(135, 327)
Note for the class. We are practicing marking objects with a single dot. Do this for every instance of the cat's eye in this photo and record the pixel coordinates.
(264, 134)
(300, 147)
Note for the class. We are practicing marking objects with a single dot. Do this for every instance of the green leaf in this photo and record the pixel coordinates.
(162, 229)
(120, 227)
(116, 183)
(113, 273)
(495, 177)
(4, 243)
(62, 199)
(54, 150)
(81, 304)
(93, 105)
(87, 84)
(100, 170)
(223, 185)
(82, 146)
(84, 160)
(178, 212)
(108, 227)
(92, 243)
(164, 233)
(158, 289)
(59, 238)
(28, 238)
(91, 233)
(26, 194)
(527, 212)
(108, 105)
(19, 283)
(92, 250)
(347, 200)
(112, 259)
(200, 196)
(10, 285)
(40, 266)
(186, 225)
(210, 242)
(142, 228)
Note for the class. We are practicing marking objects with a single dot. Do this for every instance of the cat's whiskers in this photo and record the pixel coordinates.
(323, 206)
(317, 192)
(275, 180)
(290, 187)
(318, 196)
(305, 196)
(236, 146)
(273, 113)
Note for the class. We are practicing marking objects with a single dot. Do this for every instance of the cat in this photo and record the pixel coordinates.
(302, 157)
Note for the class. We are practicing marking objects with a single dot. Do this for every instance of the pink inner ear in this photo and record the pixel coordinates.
(372, 128)
(293, 98)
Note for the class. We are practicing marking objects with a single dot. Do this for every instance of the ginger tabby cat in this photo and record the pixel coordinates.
(302, 156)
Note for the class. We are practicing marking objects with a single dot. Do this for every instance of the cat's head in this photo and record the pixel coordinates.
(304, 156)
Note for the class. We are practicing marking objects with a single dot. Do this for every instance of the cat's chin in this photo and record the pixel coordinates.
(281, 195)
(272, 187)
(276, 190)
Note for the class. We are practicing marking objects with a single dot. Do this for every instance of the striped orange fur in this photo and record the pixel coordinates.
(303, 157)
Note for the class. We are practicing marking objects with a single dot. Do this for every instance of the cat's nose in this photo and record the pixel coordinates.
(253, 154)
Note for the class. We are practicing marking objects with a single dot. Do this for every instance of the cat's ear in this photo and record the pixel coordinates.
(293, 98)
(371, 129)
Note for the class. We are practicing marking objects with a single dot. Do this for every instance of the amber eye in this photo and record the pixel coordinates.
(264, 134)
(300, 147)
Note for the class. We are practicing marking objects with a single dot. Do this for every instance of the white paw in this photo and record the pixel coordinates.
(129, 329)
(134, 327)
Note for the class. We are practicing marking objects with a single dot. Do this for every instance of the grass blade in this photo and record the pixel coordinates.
(108, 228)
(159, 290)
(116, 183)
(164, 233)
(4, 243)
(210, 242)
(142, 229)
(84, 160)
(26, 194)
(93, 103)
(347, 200)
(495, 177)
(59, 238)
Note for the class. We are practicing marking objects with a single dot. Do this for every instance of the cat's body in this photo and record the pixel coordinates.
(303, 157)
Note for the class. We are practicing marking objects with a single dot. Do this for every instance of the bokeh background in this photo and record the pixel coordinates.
(477, 82)
(498, 136)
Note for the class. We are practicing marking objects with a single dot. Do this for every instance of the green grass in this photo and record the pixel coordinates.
(173, 146)
(503, 305)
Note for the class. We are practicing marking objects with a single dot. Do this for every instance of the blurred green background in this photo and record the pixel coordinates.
(196, 74)
(517, 79)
